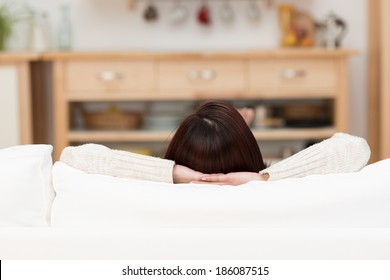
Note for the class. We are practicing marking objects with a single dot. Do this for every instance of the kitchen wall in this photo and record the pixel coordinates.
(111, 25)
(9, 117)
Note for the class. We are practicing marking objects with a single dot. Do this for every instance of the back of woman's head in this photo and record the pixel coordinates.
(215, 139)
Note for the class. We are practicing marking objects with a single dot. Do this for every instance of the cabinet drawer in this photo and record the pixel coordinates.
(109, 75)
(287, 77)
(222, 78)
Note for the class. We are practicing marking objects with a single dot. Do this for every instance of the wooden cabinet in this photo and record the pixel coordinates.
(296, 74)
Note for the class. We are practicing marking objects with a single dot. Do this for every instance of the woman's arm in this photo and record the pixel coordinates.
(98, 159)
(340, 153)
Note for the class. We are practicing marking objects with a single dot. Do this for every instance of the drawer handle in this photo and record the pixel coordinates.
(208, 74)
(110, 76)
(293, 73)
(193, 75)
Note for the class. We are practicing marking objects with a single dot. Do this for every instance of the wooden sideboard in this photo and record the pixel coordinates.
(284, 74)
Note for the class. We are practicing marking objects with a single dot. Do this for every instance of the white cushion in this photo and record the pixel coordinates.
(359, 199)
(26, 192)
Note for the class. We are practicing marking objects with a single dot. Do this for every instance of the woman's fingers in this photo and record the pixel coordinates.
(214, 178)
(208, 183)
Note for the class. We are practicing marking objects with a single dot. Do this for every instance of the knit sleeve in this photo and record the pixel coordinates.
(339, 154)
(98, 159)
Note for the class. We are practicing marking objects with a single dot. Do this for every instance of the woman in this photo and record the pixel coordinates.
(215, 139)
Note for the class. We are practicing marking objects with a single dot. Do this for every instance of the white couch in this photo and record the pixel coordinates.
(57, 212)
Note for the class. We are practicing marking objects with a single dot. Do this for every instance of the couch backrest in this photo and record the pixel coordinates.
(29, 182)
(360, 199)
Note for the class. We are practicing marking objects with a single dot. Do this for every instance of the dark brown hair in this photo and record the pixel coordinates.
(215, 139)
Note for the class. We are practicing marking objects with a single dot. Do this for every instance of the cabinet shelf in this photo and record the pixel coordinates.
(294, 133)
(119, 136)
(162, 136)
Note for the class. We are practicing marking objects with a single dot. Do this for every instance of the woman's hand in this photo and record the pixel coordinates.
(234, 178)
(183, 174)
(248, 114)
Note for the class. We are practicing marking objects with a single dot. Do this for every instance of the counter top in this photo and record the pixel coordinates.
(260, 53)
(6, 57)
(291, 52)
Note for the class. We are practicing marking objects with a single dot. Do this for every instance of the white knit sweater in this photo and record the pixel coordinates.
(98, 159)
(340, 153)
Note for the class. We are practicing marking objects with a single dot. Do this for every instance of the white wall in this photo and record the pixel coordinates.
(110, 25)
(9, 109)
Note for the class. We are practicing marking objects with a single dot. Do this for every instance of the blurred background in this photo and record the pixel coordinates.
(46, 33)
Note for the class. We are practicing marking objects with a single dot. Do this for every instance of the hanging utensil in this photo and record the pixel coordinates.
(226, 12)
(253, 11)
(151, 13)
(203, 15)
(179, 13)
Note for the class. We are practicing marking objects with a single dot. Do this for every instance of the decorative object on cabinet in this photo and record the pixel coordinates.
(297, 27)
(39, 37)
(288, 38)
(5, 25)
(331, 31)
(9, 16)
(249, 78)
(65, 29)
(303, 27)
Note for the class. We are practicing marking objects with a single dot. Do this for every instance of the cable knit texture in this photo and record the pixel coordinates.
(339, 154)
(98, 159)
